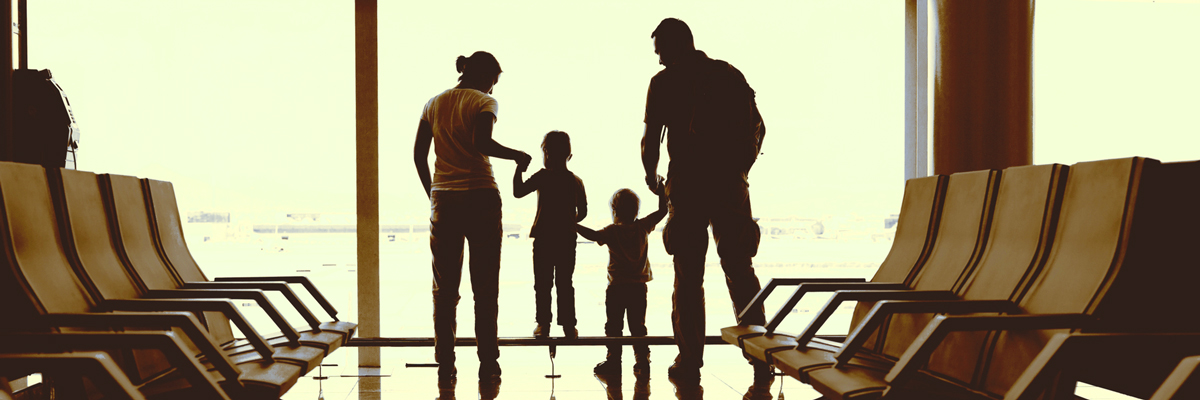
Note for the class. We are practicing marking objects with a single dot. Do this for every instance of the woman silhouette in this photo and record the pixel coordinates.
(465, 205)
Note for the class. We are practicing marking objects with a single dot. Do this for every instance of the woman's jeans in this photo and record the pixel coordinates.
(473, 215)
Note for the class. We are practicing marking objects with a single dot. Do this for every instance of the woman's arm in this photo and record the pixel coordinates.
(489, 147)
(421, 154)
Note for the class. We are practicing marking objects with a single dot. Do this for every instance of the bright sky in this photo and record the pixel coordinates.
(248, 106)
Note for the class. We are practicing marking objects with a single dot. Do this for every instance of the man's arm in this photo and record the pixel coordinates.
(421, 154)
(650, 153)
(760, 133)
(520, 189)
(589, 234)
(489, 147)
(762, 127)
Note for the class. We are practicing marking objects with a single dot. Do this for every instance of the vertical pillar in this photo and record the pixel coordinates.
(6, 104)
(366, 87)
(983, 96)
(916, 89)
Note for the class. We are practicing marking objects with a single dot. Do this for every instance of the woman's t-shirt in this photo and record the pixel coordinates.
(459, 165)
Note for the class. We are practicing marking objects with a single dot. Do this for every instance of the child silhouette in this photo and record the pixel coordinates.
(628, 272)
(561, 203)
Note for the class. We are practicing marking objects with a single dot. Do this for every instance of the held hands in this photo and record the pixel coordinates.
(657, 184)
(523, 161)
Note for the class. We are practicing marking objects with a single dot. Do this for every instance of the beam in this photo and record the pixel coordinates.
(916, 89)
(366, 113)
(6, 104)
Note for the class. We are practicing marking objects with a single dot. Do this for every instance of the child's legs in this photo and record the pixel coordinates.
(543, 279)
(564, 269)
(614, 308)
(636, 300)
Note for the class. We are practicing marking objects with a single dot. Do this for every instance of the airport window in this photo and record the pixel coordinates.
(1115, 79)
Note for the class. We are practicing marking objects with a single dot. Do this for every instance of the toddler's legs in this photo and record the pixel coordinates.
(614, 307)
(637, 319)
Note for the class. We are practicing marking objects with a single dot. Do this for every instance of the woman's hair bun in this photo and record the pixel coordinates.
(461, 63)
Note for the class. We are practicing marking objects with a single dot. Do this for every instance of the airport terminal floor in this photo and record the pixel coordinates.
(725, 376)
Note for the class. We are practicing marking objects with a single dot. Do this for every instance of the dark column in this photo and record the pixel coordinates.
(366, 87)
(983, 102)
(6, 137)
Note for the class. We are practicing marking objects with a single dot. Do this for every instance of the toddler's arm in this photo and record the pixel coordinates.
(589, 234)
(657, 215)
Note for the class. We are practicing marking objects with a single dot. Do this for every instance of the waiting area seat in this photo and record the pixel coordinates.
(916, 228)
(78, 365)
(97, 366)
(87, 228)
(69, 266)
(1025, 205)
(1108, 261)
(168, 229)
(1155, 366)
(960, 237)
(1183, 383)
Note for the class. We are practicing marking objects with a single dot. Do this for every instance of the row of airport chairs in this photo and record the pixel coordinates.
(98, 263)
(991, 272)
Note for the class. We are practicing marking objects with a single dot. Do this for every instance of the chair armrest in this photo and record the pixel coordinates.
(280, 287)
(866, 295)
(52, 345)
(96, 365)
(919, 351)
(1178, 380)
(1065, 349)
(758, 299)
(196, 306)
(186, 322)
(301, 280)
(242, 294)
(805, 288)
(883, 309)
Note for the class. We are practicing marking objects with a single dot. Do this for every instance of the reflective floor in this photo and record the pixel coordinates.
(726, 375)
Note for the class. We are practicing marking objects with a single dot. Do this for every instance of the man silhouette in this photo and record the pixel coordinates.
(713, 133)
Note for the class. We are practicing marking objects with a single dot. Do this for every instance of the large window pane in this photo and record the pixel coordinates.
(829, 79)
(246, 107)
(1116, 79)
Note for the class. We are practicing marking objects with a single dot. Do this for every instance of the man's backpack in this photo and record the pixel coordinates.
(725, 119)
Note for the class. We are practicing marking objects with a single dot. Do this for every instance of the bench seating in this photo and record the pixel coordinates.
(1107, 270)
(1025, 207)
(1092, 265)
(43, 291)
(916, 229)
(66, 357)
(961, 234)
(169, 232)
(91, 244)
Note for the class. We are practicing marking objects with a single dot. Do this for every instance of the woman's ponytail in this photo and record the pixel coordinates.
(480, 65)
(461, 64)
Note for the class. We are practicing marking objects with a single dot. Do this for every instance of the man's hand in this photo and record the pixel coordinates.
(657, 184)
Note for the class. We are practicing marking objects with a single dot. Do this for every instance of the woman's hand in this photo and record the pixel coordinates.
(523, 160)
